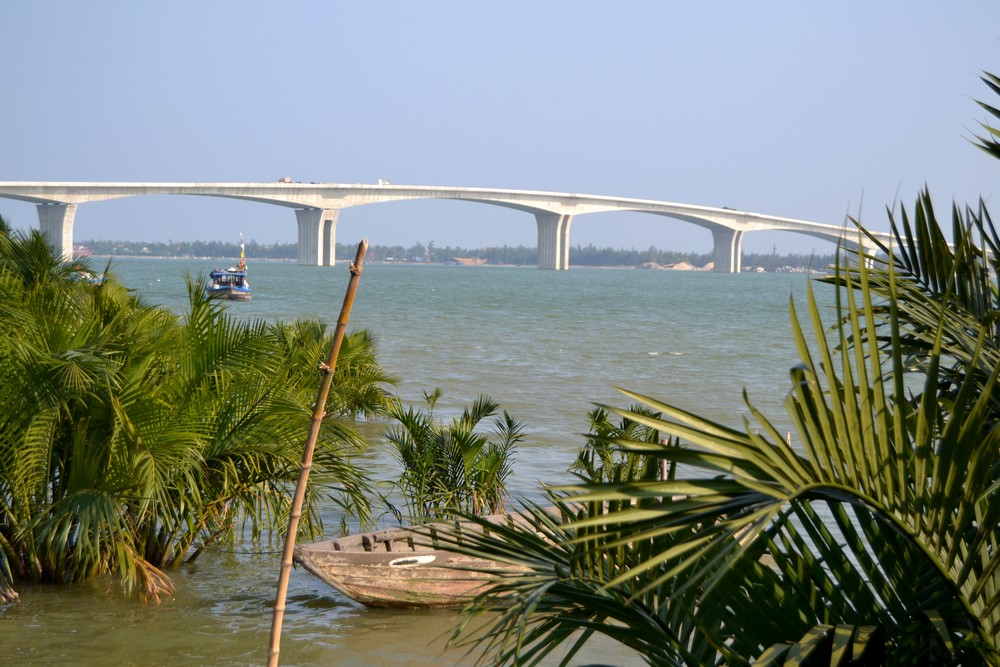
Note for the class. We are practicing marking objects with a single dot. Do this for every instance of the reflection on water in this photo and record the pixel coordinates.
(546, 345)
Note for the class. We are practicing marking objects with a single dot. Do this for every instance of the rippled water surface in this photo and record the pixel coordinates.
(546, 345)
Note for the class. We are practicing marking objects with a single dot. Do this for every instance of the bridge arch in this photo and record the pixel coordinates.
(318, 205)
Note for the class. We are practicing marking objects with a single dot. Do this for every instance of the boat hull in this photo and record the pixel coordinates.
(230, 293)
(405, 567)
(399, 579)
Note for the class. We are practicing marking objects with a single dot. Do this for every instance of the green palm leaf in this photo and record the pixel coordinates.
(873, 526)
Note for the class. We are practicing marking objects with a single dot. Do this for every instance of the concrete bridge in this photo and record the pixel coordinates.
(318, 205)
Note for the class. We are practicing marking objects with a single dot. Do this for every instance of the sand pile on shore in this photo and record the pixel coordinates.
(679, 266)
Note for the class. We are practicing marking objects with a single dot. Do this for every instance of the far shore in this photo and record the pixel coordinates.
(647, 266)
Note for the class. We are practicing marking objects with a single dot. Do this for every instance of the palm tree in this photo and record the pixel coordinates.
(453, 467)
(869, 535)
(130, 439)
(601, 460)
(360, 384)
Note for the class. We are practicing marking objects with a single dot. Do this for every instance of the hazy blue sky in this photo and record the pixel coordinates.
(798, 109)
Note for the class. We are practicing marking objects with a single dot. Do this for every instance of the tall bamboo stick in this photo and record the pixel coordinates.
(300, 487)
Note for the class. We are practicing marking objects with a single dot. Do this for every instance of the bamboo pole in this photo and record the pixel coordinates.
(319, 411)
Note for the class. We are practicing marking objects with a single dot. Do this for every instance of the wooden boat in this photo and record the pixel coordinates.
(402, 567)
(230, 283)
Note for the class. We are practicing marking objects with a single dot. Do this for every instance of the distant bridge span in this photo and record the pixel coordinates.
(318, 205)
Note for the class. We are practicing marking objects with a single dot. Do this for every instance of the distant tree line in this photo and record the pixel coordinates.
(589, 255)
(191, 249)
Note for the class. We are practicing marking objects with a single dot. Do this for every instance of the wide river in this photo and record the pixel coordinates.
(546, 345)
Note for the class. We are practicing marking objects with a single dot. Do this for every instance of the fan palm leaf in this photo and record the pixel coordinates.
(870, 535)
(878, 515)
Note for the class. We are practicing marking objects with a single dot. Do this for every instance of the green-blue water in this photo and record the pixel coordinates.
(547, 345)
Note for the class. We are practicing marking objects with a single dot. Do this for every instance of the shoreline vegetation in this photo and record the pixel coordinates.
(133, 440)
(580, 256)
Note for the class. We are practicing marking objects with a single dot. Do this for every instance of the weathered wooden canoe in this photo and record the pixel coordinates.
(401, 567)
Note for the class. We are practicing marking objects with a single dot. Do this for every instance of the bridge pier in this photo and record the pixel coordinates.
(728, 250)
(317, 236)
(56, 222)
(553, 240)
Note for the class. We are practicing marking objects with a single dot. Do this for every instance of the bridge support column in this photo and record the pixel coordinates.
(56, 223)
(728, 250)
(317, 236)
(553, 240)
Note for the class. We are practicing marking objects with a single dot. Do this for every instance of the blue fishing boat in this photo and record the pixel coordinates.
(230, 283)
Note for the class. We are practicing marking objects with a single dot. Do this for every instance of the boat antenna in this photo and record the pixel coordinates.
(319, 411)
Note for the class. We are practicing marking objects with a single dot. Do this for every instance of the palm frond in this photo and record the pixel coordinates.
(873, 515)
